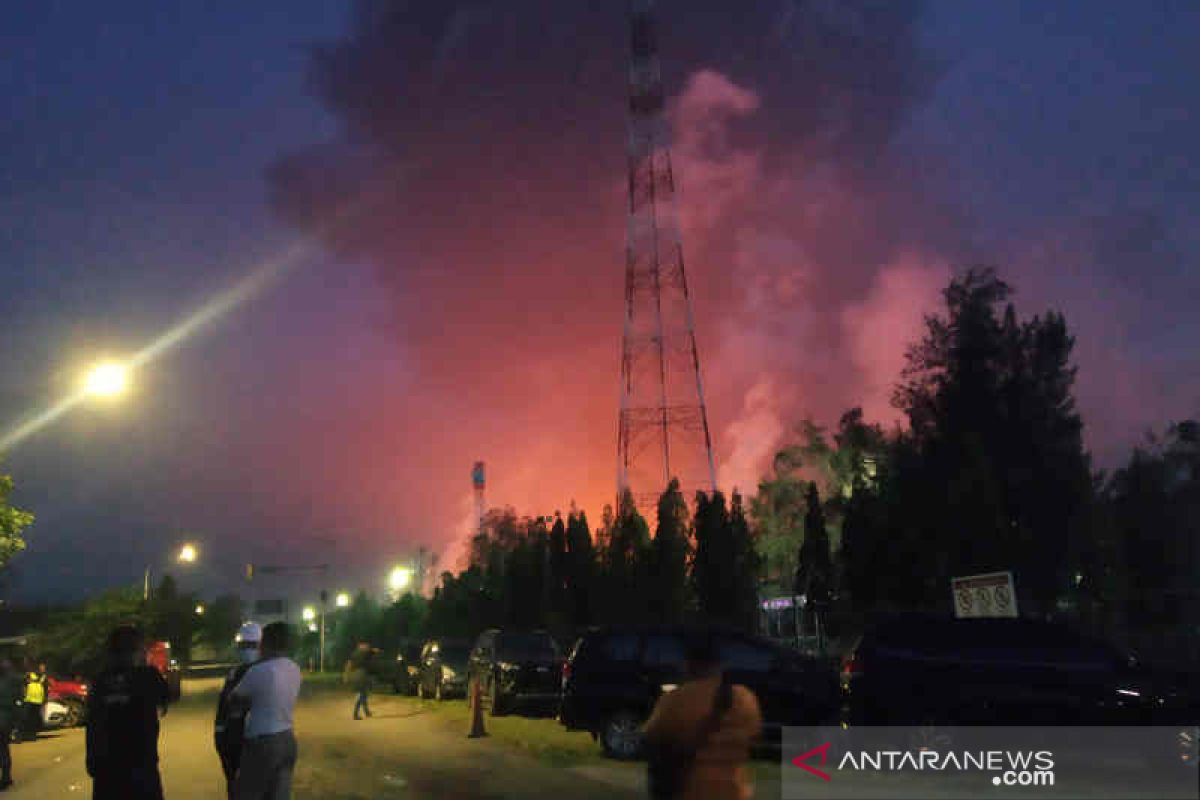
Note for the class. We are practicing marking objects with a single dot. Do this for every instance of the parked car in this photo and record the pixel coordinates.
(158, 655)
(71, 694)
(929, 670)
(401, 672)
(614, 676)
(516, 670)
(443, 670)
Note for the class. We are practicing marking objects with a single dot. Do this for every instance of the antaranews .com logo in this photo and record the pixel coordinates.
(1053, 762)
(1006, 768)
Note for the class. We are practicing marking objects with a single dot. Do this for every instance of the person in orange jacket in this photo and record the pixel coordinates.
(709, 725)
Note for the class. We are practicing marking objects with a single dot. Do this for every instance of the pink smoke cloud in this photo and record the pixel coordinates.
(879, 328)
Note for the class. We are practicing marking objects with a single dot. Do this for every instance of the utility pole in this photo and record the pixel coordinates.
(324, 602)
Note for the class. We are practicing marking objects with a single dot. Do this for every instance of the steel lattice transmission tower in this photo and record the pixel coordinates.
(663, 424)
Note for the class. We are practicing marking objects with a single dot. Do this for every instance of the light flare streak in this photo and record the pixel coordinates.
(216, 308)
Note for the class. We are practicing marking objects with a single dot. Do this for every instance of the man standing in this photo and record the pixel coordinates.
(269, 688)
(10, 697)
(229, 726)
(124, 705)
(358, 675)
(36, 686)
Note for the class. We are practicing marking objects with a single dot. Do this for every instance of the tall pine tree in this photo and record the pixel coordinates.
(625, 563)
(745, 569)
(581, 570)
(814, 576)
(668, 557)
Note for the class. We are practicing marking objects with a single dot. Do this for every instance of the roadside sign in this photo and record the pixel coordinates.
(978, 596)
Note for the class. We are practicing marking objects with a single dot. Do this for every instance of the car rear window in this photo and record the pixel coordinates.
(620, 648)
(526, 647)
(664, 651)
(1015, 640)
(739, 655)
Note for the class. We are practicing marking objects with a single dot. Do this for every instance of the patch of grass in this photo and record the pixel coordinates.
(541, 737)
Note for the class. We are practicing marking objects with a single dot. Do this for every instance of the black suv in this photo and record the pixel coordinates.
(516, 670)
(443, 670)
(930, 670)
(615, 675)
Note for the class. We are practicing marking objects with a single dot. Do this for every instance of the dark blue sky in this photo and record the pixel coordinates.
(476, 314)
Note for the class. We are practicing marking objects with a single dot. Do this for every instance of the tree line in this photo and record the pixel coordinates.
(990, 472)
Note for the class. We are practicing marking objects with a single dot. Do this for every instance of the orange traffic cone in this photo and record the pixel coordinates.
(477, 729)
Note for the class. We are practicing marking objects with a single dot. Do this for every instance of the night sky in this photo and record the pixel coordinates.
(458, 170)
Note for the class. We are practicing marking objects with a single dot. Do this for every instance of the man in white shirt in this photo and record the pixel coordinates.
(269, 689)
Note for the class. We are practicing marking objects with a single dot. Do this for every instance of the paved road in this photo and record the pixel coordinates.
(404, 751)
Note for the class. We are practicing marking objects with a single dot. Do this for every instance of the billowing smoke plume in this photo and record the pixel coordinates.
(489, 137)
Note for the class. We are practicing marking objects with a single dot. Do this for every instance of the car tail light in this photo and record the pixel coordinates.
(852, 666)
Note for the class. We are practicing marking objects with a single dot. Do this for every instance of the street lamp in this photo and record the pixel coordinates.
(342, 600)
(107, 379)
(200, 609)
(399, 579)
(188, 554)
(308, 614)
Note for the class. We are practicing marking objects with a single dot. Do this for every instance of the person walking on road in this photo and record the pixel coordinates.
(36, 689)
(698, 737)
(10, 700)
(358, 675)
(124, 705)
(269, 690)
(230, 723)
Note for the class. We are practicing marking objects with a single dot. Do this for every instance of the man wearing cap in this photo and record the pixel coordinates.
(229, 726)
(270, 688)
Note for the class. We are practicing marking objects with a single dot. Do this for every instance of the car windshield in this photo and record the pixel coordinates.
(517, 647)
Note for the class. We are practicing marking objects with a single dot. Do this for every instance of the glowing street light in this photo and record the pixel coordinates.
(188, 554)
(200, 609)
(399, 579)
(309, 613)
(342, 600)
(108, 379)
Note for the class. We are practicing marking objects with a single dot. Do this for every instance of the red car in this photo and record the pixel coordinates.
(158, 655)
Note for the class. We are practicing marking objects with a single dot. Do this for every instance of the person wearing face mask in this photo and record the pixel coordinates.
(230, 724)
(124, 705)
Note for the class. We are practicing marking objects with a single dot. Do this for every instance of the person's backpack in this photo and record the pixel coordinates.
(230, 724)
(668, 763)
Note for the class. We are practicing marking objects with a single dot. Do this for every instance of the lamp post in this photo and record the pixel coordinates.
(187, 554)
(324, 602)
(399, 579)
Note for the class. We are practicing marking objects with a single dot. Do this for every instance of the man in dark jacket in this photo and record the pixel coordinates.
(124, 705)
(11, 692)
(230, 724)
(358, 674)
